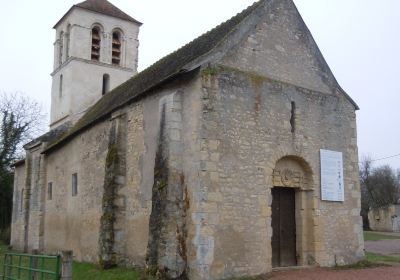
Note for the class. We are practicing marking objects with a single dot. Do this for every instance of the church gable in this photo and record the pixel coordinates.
(281, 47)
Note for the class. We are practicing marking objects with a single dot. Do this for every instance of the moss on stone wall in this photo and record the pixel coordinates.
(167, 252)
(107, 256)
(159, 198)
(209, 71)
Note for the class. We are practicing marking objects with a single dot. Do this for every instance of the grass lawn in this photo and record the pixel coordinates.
(3, 250)
(372, 257)
(371, 236)
(85, 271)
(366, 263)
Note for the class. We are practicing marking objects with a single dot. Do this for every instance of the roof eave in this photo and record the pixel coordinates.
(62, 142)
(132, 20)
(64, 16)
(18, 163)
(351, 100)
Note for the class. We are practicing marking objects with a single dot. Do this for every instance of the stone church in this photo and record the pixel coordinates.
(209, 164)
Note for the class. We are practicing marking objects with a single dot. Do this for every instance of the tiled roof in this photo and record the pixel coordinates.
(106, 8)
(103, 7)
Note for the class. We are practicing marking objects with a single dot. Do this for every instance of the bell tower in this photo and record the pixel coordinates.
(96, 49)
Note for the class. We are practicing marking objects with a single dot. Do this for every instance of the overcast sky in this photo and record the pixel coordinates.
(360, 39)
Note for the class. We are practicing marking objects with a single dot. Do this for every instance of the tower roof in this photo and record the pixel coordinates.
(102, 7)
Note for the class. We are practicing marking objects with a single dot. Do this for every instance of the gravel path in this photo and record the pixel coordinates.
(383, 247)
(381, 273)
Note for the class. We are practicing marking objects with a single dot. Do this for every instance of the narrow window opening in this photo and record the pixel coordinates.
(293, 116)
(67, 41)
(106, 84)
(61, 49)
(116, 48)
(50, 191)
(74, 184)
(60, 86)
(96, 40)
(22, 200)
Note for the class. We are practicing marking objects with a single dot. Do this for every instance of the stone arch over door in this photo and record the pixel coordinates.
(294, 172)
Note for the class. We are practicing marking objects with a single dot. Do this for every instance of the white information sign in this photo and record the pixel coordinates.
(332, 184)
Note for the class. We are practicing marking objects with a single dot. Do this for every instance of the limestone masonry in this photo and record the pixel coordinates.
(206, 165)
(385, 218)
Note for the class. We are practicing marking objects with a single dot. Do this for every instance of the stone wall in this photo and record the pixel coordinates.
(85, 224)
(246, 130)
(28, 202)
(385, 218)
(80, 89)
(34, 196)
(17, 226)
(228, 137)
(161, 159)
(73, 222)
(281, 47)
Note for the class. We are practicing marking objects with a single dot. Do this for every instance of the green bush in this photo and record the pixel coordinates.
(5, 235)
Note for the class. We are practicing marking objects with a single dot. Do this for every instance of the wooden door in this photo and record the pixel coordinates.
(283, 227)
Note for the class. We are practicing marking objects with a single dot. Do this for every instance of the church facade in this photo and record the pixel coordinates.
(206, 165)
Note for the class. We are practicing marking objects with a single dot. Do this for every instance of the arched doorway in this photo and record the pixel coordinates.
(292, 241)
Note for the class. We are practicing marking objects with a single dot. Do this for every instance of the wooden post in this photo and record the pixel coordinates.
(66, 265)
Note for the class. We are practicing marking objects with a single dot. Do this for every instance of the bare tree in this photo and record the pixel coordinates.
(21, 119)
(380, 186)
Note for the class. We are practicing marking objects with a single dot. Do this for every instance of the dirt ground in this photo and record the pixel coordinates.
(381, 273)
(387, 247)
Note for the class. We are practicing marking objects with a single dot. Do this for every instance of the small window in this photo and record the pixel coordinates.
(67, 41)
(116, 48)
(96, 40)
(50, 191)
(293, 117)
(61, 48)
(74, 184)
(106, 84)
(60, 86)
(21, 204)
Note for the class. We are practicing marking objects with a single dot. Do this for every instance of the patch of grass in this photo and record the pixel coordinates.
(371, 236)
(372, 257)
(359, 265)
(3, 250)
(257, 277)
(87, 271)
(24, 261)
